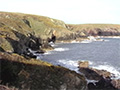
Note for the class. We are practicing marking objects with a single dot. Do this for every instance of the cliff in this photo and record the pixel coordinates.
(31, 74)
(95, 29)
(21, 32)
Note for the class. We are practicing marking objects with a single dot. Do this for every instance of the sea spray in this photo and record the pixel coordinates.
(109, 68)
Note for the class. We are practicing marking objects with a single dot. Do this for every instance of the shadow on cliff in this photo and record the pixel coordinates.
(24, 42)
(15, 45)
(2, 50)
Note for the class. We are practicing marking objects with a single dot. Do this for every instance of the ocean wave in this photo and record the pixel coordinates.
(52, 44)
(73, 65)
(74, 41)
(109, 68)
(48, 52)
(109, 36)
(86, 41)
(61, 49)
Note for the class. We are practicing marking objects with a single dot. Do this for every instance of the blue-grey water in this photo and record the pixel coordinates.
(101, 54)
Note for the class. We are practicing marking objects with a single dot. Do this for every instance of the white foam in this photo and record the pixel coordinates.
(108, 68)
(113, 37)
(52, 44)
(92, 38)
(73, 65)
(61, 49)
(86, 41)
(46, 53)
(91, 63)
(40, 56)
(74, 41)
(91, 81)
(116, 37)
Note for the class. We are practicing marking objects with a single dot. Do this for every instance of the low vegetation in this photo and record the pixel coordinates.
(21, 32)
(96, 29)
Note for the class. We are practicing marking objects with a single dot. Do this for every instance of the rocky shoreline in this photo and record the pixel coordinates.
(19, 70)
(102, 78)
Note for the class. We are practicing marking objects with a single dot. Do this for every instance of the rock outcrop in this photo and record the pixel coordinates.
(20, 33)
(95, 29)
(116, 83)
(102, 78)
(84, 64)
(32, 74)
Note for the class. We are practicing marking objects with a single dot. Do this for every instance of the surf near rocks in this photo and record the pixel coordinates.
(98, 79)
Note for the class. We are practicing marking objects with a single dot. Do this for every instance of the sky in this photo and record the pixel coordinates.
(69, 11)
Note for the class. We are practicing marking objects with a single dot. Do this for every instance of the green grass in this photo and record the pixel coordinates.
(93, 26)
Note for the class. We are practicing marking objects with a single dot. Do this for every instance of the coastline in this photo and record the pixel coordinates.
(20, 34)
(111, 76)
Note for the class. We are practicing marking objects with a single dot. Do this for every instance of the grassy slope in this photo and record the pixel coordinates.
(40, 25)
(96, 28)
(38, 74)
(15, 30)
(17, 27)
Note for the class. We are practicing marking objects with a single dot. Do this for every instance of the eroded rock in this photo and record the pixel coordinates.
(83, 64)
(103, 77)
(91, 73)
(116, 83)
(33, 74)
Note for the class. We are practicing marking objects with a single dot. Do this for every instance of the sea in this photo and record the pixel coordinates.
(103, 54)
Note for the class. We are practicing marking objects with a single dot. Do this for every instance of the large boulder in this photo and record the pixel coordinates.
(83, 64)
(91, 73)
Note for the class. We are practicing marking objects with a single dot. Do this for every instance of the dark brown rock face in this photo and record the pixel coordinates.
(32, 74)
(116, 83)
(91, 73)
(102, 76)
(2, 87)
(102, 84)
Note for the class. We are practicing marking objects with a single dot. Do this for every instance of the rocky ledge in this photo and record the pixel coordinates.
(102, 78)
(19, 35)
(31, 74)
